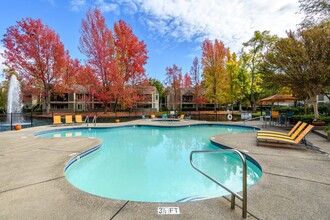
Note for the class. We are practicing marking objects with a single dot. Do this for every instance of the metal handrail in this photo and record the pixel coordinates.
(86, 121)
(233, 194)
(94, 120)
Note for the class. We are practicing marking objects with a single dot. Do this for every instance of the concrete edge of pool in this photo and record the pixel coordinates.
(293, 186)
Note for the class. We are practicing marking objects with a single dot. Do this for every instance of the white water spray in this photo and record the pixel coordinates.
(14, 102)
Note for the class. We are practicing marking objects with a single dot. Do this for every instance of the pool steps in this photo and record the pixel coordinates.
(192, 198)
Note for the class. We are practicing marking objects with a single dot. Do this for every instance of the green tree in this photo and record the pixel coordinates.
(159, 86)
(233, 69)
(256, 47)
(302, 62)
(215, 74)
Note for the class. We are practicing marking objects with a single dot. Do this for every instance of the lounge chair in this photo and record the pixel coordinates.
(281, 133)
(187, 117)
(280, 141)
(292, 136)
(152, 116)
(164, 116)
(181, 116)
(68, 120)
(78, 119)
(57, 120)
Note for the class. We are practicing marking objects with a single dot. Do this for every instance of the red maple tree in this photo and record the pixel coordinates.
(35, 51)
(131, 56)
(186, 81)
(87, 84)
(116, 57)
(97, 44)
(174, 83)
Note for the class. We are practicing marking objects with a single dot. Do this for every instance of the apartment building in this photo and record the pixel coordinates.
(81, 100)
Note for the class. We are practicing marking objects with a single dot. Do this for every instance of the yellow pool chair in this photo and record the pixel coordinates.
(57, 120)
(78, 119)
(68, 120)
(280, 141)
(281, 133)
(292, 134)
(181, 117)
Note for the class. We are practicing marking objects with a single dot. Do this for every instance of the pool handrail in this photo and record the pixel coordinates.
(94, 120)
(86, 121)
(233, 194)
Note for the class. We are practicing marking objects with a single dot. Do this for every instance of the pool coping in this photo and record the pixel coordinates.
(270, 198)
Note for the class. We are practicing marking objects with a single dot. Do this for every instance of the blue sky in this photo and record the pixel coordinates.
(173, 30)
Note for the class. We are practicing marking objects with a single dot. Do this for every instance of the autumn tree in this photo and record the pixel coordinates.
(97, 44)
(302, 62)
(35, 51)
(234, 86)
(174, 83)
(131, 56)
(88, 83)
(186, 81)
(195, 76)
(69, 75)
(214, 73)
(254, 55)
(117, 57)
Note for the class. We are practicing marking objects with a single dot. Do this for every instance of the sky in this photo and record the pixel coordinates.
(173, 30)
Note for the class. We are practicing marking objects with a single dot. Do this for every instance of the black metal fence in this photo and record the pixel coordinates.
(32, 119)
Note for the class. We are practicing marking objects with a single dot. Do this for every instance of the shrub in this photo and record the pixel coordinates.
(310, 118)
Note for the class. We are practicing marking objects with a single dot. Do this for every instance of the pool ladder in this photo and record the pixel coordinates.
(243, 198)
(87, 120)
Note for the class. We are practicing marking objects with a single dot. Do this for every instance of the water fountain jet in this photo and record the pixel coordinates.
(14, 102)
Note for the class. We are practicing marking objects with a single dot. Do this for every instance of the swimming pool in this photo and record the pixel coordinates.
(151, 164)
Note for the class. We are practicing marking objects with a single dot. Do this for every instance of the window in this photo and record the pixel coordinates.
(156, 97)
(79, 96)
(80, 107)
(321, 98)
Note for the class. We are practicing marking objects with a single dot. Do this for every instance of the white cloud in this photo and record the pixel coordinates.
(77, 5)
(106, 6)
(233, 22)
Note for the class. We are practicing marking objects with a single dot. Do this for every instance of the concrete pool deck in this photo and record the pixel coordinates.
(295, 182)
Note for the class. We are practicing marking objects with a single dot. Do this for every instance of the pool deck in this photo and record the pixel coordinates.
(295, 182)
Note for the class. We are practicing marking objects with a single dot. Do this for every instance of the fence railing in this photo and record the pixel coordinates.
(32, 119)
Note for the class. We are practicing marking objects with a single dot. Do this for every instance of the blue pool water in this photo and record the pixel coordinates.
(151, 164)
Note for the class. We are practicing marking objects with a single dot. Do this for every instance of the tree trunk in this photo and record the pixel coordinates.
(305, 107)
(253, 103)
(115, 107)
(46, 103)
(315, 107)
(240, 106)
